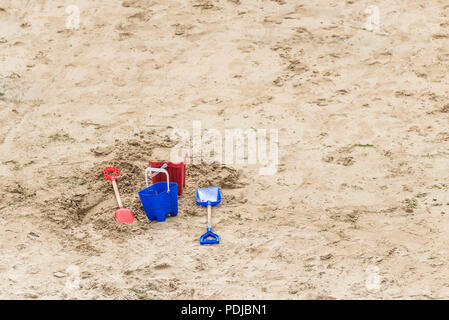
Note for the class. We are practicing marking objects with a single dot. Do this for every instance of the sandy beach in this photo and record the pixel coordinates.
(357, 207)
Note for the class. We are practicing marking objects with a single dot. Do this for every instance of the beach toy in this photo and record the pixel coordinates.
(122, 215)
(177, 172)
(159, 199)
(209, 197)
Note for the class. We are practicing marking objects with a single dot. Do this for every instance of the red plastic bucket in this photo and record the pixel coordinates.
(176, 171)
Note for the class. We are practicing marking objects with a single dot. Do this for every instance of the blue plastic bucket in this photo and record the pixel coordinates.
(159, 199)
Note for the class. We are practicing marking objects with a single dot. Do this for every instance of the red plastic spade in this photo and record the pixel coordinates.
(122, 215)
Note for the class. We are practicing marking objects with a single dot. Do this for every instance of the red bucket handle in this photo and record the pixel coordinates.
(110, 170)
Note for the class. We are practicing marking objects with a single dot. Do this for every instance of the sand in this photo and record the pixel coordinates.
(358, 207)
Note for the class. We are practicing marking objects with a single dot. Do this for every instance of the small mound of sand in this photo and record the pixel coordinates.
(89, 197)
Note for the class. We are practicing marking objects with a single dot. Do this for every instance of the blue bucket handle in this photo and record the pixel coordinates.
(158, 170)
(155, 174)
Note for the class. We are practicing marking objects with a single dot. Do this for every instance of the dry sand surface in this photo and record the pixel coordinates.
(358, 208)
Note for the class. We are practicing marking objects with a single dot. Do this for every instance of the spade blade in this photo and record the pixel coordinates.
(123, 215)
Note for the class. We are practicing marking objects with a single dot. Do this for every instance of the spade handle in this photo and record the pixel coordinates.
(209, 216)
(117, 195)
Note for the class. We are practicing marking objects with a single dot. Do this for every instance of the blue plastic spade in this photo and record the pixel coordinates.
(209, 197)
